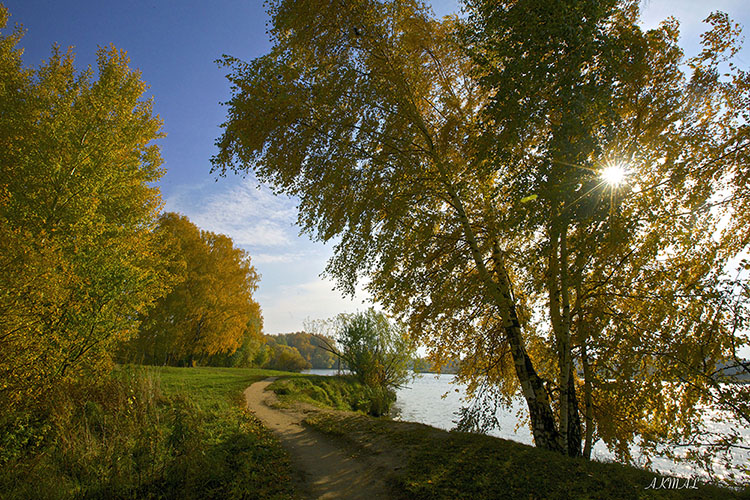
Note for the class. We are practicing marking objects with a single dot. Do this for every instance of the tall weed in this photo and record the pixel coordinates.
(123, 438)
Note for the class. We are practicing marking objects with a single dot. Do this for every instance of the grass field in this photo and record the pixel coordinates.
(238, 457)
(147, 433)
(339, 393)
(168, 433)
(451, 465)
(210, 387)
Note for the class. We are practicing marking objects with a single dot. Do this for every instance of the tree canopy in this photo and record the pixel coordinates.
(77, 209)
(459, 165)
(210, 310)
(633, 274)
(283, 357)
(311, 348)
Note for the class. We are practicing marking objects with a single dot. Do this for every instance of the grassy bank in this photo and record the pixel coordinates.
(343, 392)
(437, 464)
(211, 388)
(340, 393)
(449, 465)
(146, 433)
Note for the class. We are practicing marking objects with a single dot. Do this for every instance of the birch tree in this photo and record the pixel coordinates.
(367, 112)
(460, 168)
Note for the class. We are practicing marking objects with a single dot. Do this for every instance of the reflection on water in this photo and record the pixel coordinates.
(434, 400)
(326, 371)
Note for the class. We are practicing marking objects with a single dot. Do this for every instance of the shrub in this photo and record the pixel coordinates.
(341, 393)
(286, 358)
(378, 352)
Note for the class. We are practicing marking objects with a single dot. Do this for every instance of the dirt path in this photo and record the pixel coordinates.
(325, 469)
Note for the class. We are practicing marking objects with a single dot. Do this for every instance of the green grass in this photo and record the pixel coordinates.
(343, 392)
(450, 465)
(145, 432)
(211, 387)
(340, 393)
(236, 457)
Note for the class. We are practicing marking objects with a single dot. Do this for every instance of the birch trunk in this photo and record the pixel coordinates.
(558, 285)
(543, 425)
(587, 401)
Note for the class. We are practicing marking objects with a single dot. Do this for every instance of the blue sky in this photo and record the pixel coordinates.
(175, 43)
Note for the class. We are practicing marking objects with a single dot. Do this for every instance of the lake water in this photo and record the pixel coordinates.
(434, 400)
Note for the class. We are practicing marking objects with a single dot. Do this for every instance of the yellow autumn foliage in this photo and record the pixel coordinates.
(211, 310)
(77, 209)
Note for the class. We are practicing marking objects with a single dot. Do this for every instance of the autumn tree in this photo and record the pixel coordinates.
(628, 163)
(277, 355)
(461, 171)
(247, 353)
(377, 139)
(211, 310)
(77, 209)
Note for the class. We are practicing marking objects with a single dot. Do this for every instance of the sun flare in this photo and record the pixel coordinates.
(614, 175)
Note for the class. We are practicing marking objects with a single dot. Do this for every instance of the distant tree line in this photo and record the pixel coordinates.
(292, 352)
(209, 317)
(307, 346)
(426, 365)
(287, 352)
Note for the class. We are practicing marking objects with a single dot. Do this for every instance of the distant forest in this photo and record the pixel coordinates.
(295, 351)
(302, 351)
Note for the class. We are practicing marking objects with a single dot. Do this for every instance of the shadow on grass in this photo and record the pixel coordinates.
(437, 464)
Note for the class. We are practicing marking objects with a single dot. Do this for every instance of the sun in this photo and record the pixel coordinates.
(614, 175)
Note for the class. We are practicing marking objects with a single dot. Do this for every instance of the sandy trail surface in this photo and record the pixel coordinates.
(325, 469)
